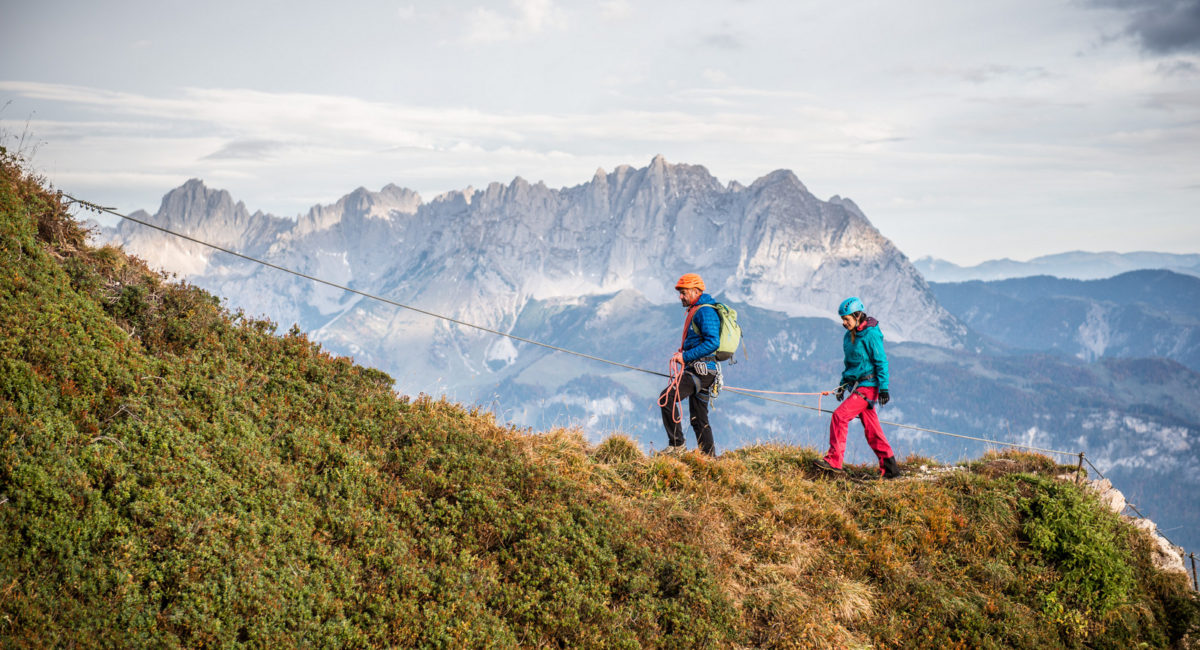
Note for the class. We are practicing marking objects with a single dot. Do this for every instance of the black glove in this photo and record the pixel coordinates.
(884, 397)
(840, 393)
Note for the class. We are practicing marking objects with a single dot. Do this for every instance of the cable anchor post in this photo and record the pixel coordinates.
(1079, 470)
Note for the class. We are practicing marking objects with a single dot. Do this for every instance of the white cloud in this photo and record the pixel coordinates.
(335, 122)
(615, 9)
(531, 17)
(486, 26)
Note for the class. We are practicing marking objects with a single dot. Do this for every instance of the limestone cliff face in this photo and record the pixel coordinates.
(483, 254)
(203, 213)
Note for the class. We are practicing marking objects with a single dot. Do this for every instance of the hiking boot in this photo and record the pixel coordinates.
(824, 466)
(674, 450)
(889, 468)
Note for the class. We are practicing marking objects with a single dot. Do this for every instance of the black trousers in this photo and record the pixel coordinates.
(694, 388)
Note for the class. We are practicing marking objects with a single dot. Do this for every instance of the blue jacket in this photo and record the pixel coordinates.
(865, 355)
(704, 336)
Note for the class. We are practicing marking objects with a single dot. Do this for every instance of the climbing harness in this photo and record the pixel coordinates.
(870, 402)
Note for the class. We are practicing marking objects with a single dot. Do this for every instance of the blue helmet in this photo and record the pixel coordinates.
(849, 306)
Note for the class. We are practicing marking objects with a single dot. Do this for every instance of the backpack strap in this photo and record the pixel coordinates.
(688, 323)
(689, 320)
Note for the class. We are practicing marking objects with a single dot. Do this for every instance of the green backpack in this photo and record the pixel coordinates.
(731, 332)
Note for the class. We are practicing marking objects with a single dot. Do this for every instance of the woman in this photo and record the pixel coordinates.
(866, 377)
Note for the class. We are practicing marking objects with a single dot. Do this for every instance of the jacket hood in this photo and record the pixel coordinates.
(869, 322)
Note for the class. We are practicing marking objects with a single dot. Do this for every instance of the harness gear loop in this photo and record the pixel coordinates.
(718, 382)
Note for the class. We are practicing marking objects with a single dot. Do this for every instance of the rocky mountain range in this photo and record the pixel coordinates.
(772, 244)
(1077, 265)
(1133, 315)
(591, 268)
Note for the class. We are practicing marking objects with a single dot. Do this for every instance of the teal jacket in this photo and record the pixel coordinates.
(865, 356)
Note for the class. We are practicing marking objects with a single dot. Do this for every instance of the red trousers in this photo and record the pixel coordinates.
(852, 407)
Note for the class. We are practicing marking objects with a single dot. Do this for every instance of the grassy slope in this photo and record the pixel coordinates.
(171, 474)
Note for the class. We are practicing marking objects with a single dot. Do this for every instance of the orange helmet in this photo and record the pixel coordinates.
(689, 281)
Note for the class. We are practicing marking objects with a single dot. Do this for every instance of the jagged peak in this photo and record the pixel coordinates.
(195, 187)
(779, 176)
(673, 173)
(397, 191)
(194, 199)
(847, 203)
(520, 187)
(391, 191)
(465, 195)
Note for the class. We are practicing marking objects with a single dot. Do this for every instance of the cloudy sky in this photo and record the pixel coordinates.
(965, 130)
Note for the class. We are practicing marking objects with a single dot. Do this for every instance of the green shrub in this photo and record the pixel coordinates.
(1083, 542)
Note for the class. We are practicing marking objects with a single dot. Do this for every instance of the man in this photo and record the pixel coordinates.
(702, 337)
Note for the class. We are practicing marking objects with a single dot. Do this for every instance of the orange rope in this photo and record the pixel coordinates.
(676, 369)
(676, 372)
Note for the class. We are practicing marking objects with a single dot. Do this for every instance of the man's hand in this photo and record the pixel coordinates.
(677, 358)
(884, 397)
(840, 393)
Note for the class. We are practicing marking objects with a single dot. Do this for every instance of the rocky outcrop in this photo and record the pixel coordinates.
(1167, 556)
